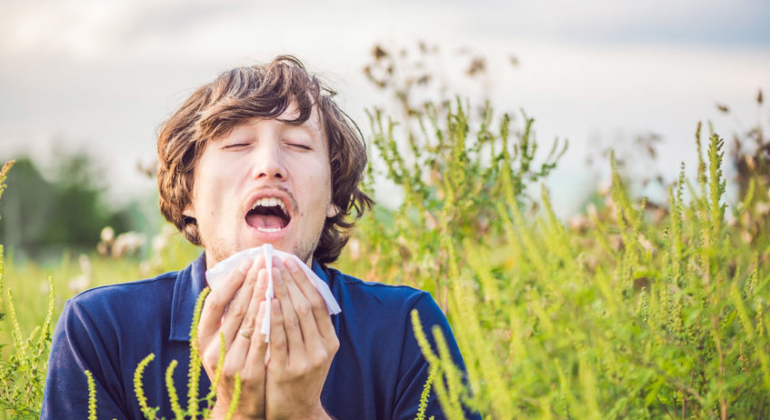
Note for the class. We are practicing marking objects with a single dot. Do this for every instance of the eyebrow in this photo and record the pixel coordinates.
(306, 126)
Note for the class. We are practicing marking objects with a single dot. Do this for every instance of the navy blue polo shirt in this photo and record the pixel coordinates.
(378, 372)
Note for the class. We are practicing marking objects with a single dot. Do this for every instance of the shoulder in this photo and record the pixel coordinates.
(131, 295)
(100, 322)
(353, 289)
(121, 308)
(383, 302)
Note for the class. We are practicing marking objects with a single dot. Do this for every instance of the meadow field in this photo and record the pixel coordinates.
(628, 310)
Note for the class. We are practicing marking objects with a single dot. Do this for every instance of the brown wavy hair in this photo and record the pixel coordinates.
(264, 91)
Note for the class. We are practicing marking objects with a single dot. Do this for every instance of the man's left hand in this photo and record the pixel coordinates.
(303, 343)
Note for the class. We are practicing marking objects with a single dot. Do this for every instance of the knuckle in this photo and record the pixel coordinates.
(317, 302)
(304, 309)
(334, 345)
(291, 322)
(229, 370)
(278, 340)
(237, 310)
(214, 302)
(247, 375)
(211, 354)
(300, 369)
(210, 360)
(319, 358)
(248, 323)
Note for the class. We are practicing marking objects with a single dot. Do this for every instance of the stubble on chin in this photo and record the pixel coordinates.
(304, 251)
(217, 252)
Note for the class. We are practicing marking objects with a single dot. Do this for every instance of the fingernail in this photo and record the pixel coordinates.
(244, 266)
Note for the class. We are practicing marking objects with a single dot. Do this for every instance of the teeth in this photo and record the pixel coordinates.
(270, 202)
(268, 229)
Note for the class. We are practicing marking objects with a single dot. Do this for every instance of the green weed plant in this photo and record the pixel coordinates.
(22, 373)
(633, 316)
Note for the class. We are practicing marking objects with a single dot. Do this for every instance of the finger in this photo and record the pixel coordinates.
(278, 347)
(236, 313)
(235, 359)
(290, 320)
(262, 283)
(255, 359)
(249, 321)
(218, 299)
(302, 310)
(317, 303)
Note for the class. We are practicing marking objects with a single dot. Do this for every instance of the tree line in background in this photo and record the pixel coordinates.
(46, 211)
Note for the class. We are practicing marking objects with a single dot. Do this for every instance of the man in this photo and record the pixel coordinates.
(260, 155)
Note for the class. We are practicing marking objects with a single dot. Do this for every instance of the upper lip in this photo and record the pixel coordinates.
(277, 192)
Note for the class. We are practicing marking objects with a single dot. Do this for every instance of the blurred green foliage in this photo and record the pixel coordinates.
(42, 217)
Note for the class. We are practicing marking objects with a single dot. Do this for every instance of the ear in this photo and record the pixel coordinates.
(332, 211)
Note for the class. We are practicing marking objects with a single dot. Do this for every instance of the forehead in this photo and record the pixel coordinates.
(292, 113)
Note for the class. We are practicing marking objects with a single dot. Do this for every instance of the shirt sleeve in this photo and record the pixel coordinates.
(413, 369)
(78, 346)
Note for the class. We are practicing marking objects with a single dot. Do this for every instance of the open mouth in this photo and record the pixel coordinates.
(269, 214)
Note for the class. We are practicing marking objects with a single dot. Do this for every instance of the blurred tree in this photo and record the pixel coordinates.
(41, 217)
(26, 207)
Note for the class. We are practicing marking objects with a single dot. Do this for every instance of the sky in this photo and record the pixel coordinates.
(101, 76)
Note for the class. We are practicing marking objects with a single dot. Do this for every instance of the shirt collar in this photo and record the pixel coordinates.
(190, 282)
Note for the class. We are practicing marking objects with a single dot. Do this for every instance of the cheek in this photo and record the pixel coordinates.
(210, 193)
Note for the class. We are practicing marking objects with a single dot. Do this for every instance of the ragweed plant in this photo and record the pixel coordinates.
(667, 320)
(22, 373)
(642, 311)
(450, 174)
(91, 395)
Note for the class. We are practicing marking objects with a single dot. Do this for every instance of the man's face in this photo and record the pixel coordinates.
(267, 181)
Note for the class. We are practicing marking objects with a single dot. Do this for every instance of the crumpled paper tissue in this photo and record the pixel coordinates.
(216, 275)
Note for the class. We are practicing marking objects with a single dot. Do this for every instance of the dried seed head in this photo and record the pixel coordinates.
(379, 52)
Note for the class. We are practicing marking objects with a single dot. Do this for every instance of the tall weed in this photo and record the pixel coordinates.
(631, 316)
(22, 373)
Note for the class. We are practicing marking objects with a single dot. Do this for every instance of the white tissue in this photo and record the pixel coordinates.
(218, 273)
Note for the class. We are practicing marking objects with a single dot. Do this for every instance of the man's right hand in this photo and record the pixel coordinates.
(245, 346)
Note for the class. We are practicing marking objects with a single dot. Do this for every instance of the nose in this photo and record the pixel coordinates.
(268, 162)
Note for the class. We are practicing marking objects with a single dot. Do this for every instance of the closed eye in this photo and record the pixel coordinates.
(300, 146)
(235, 146)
